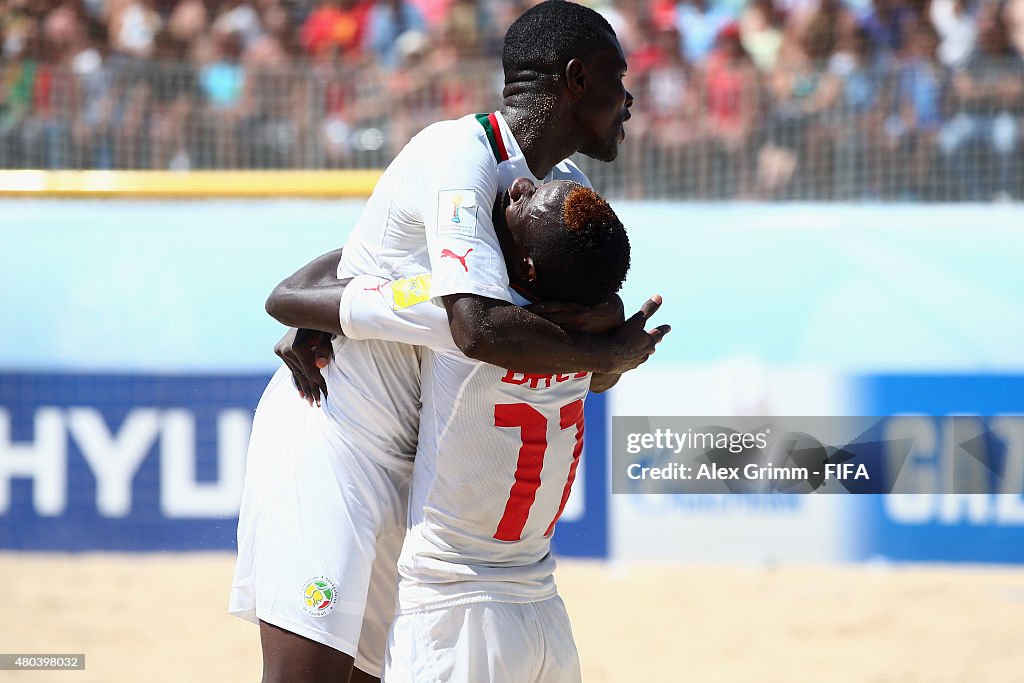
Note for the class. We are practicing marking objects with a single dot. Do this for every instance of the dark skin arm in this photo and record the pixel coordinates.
(601, 319)
(509, 336)
(310, 298)
(308, 302)
(488, 330)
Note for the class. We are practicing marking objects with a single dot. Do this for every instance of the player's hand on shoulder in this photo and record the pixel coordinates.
(632, 344)
(306, 352)
(599, 319)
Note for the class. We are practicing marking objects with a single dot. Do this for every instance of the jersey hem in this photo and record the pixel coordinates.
(478, 289)
(345, 309)
(242, 601)
(477, 597)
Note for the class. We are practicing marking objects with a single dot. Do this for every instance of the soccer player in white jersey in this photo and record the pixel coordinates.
(429, 213)
(497, 456)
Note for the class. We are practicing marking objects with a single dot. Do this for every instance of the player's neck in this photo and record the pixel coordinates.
(542, 140)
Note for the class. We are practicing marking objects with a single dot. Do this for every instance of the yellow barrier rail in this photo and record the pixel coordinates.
(180, 184)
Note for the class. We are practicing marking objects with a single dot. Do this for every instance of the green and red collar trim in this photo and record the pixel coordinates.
(489, 122)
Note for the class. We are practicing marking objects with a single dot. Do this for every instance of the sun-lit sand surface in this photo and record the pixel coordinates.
(161, 617)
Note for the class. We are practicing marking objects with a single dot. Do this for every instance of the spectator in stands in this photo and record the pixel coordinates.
(221, 80)
(799, 92)
(466, 27)
(388, 21)
(886, 26)
(240, 18)
(987, 93)
(731, 91)
(181, 83)
(665, 131)
(45, 134)
(916, 116)
(957, 29)
(276, 108)
(824, 29)
(700, 23)
(1014, 16)
(278, 29)
(91, 136)
(761, 32)
(856, 117)
(23, 49)
(449, 92)
(411, 92)
(336, 29)
(172, 93)
(187, 21)
(133, 26)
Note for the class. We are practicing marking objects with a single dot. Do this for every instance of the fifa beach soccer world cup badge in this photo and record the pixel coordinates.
(456, 212)
(410, 291)
(319, 595)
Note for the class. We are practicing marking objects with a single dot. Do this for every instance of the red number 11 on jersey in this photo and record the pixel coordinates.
(533, 431)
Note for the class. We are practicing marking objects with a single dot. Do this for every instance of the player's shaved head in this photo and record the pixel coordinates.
(551, 33)
(540, 43)
(586, 260)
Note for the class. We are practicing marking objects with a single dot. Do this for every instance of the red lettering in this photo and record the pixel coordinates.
(512, 378)
(535, 380)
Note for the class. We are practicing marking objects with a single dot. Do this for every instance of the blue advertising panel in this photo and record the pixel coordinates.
(122, 462)
(944, 527)
(128, 384)
(139, 462)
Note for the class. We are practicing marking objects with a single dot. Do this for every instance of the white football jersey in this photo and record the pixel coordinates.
(431, 209)
(373, 399)
(497, 456)
(429, 212)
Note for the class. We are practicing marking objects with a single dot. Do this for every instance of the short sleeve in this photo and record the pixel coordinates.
(399, 311)
(458, 196)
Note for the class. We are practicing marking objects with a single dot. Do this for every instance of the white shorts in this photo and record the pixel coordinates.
(484, 642)
(319, 531)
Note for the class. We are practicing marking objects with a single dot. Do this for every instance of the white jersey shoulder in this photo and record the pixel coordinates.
(431, 212)
(431, 209)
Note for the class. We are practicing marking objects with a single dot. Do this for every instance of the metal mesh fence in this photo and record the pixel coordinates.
(908, 130)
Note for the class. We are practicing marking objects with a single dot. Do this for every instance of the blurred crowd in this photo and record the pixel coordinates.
(811, 99)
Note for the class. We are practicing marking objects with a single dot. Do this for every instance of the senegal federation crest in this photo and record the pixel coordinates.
(319, 596)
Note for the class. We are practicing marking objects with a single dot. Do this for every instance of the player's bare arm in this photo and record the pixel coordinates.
(307, 301)
(509, 336)
(310, 297)
(601, 319)
(489, 330)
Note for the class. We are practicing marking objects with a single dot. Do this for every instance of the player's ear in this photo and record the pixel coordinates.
(576, 77)
(529, 272)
